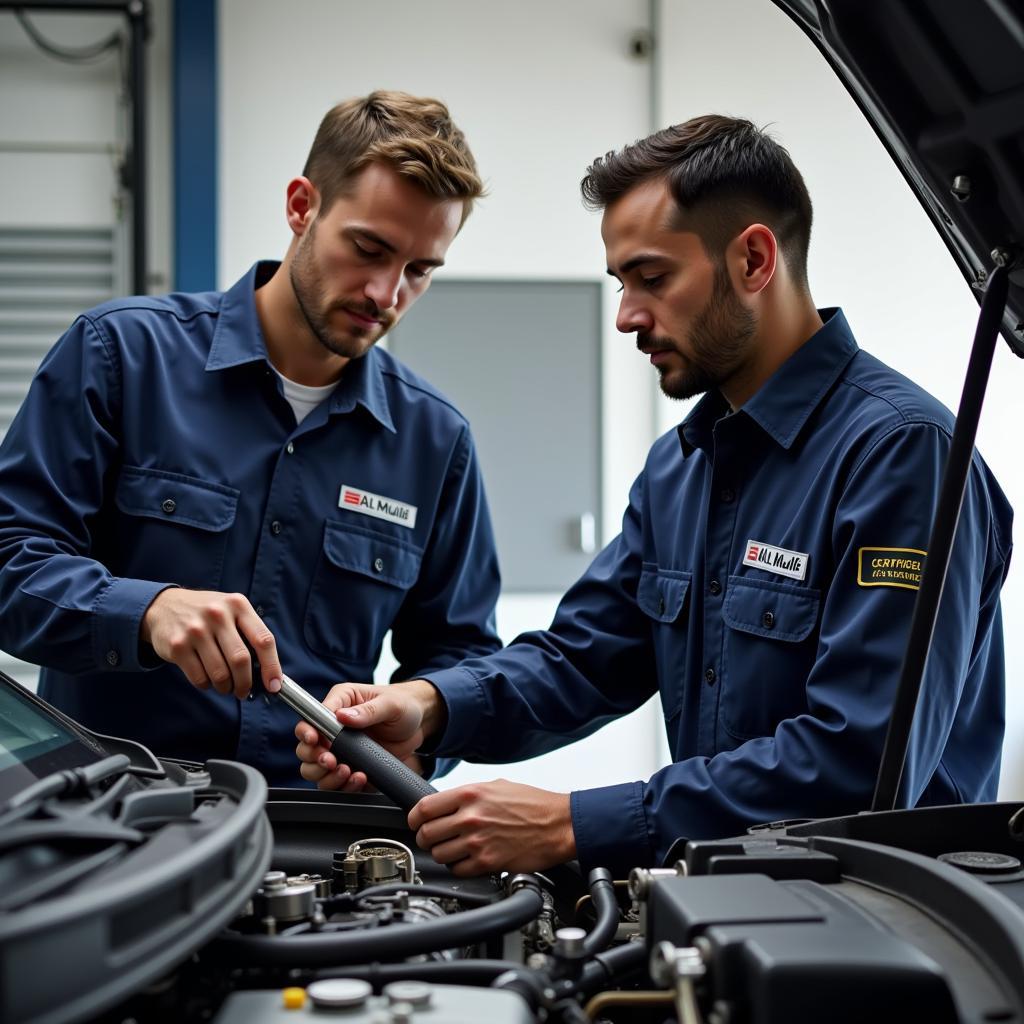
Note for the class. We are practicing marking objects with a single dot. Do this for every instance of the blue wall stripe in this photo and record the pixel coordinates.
(195, 144)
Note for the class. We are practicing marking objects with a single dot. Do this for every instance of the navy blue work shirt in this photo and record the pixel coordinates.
(763, 584)
(155, 447)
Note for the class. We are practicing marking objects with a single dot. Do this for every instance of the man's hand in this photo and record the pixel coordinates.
(399, 718)
(495, 826)
(204, 633)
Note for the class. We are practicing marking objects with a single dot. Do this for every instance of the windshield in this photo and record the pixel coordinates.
(34, 743)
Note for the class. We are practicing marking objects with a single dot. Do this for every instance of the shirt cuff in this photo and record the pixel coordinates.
(116, 618)
(466, 703)
(611, 828)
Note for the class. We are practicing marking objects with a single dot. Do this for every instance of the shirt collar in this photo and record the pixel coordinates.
(238, 339)
(784, 403)
(362, 383)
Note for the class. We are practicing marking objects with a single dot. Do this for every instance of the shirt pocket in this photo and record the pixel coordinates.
(661, 596)
(172, 528)
(361, 579)
(770, 648)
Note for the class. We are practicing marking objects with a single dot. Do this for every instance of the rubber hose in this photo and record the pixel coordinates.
(606, 906)
(609, 968)
(392, 942)
(472, 899)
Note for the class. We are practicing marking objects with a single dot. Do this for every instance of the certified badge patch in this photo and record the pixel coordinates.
(778, 560)
(890, 567)
(355, 500)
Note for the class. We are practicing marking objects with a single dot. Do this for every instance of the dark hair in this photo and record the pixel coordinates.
(724, 174)
(414, 134)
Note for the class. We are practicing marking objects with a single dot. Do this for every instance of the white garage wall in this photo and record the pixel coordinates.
(540, 89)
(873, 250)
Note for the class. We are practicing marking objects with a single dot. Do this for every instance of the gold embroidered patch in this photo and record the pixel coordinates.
(890, 567)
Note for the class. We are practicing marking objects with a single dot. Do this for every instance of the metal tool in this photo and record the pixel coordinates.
(392, 777)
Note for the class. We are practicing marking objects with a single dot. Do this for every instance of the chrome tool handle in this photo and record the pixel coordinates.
(392, 777)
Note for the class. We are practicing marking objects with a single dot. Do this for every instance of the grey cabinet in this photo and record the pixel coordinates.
(521, 360)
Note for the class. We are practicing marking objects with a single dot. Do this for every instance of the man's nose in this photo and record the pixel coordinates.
(633, 317)
(383, 288)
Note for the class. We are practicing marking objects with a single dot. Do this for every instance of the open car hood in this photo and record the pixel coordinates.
(942, 84)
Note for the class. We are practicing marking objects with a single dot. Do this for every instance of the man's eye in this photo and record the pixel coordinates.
(652, 282)
(418, 272)
(363, 251)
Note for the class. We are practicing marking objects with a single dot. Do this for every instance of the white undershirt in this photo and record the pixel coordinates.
(302, 397)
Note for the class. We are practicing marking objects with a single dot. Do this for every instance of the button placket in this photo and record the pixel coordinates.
(722, 510)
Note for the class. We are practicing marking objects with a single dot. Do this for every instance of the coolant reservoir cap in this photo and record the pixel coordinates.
(416, 993)
(339, 993)
(978, 862)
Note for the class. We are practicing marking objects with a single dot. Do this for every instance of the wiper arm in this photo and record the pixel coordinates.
(69, 780)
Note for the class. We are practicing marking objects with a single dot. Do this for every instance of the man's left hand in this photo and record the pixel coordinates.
(495, 826)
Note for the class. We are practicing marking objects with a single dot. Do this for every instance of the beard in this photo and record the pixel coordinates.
(717, 342)
(307, 285)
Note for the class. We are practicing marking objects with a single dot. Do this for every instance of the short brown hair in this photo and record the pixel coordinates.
(724, 173)
(413, 134)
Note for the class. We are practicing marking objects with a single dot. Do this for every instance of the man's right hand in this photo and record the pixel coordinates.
(399, 717)
(205, 633)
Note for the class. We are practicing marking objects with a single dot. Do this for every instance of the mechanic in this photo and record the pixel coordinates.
(767, 567)
(197, 479)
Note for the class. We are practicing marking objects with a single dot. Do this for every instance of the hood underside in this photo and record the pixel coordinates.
(942, 84)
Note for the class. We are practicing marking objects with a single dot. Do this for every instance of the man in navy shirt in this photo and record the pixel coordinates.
(196, 478)
(767, 567)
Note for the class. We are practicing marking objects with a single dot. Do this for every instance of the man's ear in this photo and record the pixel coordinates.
(752, 257)
(301, 205)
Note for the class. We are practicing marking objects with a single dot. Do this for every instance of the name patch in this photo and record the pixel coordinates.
(890, 567)
(778, 560)
(356, 500)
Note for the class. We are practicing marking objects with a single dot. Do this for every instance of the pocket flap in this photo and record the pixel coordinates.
(176, 498)
(380, 558)
(661, 593)
(773, 610)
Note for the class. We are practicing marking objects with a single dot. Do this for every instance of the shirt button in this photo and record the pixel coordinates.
(275, 527)
(728, 495)
(113, 658)
(290, 448)
(259, 610)
(768, 620)
(168, 505)
(378, 565)
(715, 587)
(709, 677)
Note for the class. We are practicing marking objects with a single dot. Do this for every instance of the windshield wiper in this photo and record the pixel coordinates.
(69, 780)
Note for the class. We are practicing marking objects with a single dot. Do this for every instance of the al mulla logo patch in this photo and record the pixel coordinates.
(778, 560)
(354, 499)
